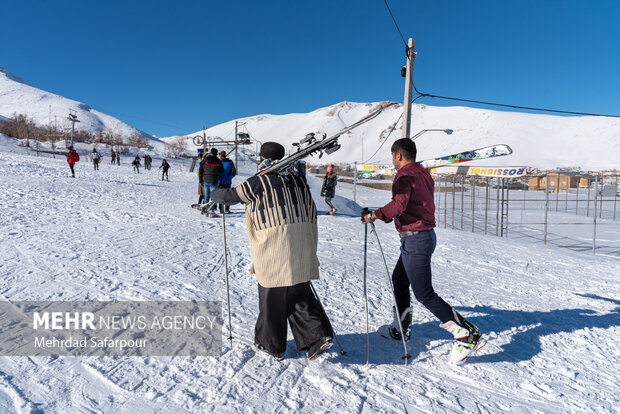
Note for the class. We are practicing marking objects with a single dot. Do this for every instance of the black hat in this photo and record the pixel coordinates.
(214, 151)
(272, 150)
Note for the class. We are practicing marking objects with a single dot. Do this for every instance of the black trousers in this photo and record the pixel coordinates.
(299, 306)
(72, 170)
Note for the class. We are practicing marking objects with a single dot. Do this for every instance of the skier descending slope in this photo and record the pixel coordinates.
(282, 229)
(413, 210)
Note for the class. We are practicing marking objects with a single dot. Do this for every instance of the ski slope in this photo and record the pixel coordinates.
(551, 316)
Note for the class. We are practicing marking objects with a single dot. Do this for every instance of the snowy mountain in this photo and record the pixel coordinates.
(540, 141)
(17, 96)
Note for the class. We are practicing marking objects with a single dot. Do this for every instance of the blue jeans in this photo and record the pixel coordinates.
(414, 269)
(208, 188)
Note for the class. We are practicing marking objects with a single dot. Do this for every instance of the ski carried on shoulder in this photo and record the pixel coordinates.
(312, 144)
(491, 151)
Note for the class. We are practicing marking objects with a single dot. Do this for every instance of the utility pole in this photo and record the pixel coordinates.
(408, 89)
(204, 140)
(73, 118)
(236, 143)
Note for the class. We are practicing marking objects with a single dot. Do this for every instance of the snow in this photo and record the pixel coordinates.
(550, 316)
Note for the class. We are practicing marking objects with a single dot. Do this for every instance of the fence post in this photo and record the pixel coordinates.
(566, 199)
(473, 202)
(497, 208)
(557, 191)
(445, 203)
(486, 207)
(439, 200)
(462, 199)
(453, 198)
(588, 207)
(615, 197)
(602, 197)
(355, 181)
(501, 232)
(507, 207)
(577, 201)
(594, 223)
(546, 207)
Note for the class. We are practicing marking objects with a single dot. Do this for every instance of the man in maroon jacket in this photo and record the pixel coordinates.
(413, 210)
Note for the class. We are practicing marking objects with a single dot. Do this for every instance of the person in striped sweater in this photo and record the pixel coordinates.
(282, 230)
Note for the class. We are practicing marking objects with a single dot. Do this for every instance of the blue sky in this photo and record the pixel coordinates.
(171, 67)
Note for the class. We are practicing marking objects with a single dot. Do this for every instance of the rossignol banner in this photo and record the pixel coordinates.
(500, 172)
(375, 170)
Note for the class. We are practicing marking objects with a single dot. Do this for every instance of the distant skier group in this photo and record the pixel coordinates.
(214, 173)
(95, 157)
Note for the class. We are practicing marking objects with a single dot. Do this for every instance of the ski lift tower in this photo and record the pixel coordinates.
(73, 118)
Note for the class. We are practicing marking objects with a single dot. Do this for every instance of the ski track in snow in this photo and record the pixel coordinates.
(550, 316)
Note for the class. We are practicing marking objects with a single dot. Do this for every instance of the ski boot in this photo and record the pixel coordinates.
(319, 347)
(467, 335)
(392, 331)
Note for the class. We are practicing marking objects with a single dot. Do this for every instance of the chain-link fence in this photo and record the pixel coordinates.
(580, 214)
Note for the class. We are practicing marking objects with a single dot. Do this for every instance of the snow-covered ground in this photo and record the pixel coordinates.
(551, 316)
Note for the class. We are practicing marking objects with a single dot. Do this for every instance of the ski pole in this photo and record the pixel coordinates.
(366, 292)
(342, 351)
(227, 286)
(400, 325)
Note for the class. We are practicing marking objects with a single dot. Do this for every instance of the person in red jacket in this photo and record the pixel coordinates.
(413, 210)
(72, 158)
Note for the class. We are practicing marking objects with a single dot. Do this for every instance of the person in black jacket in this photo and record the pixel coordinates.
(166, 166)
(136, 164)
(209, 175)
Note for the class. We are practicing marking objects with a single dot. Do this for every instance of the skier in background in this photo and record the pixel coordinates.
(72, 158)
(113, 154)
(209, 175)
(283, 235)
(118, 158)
(95, 157)
(329, 188)
(166, 167)
(136, 164)
(147, 162)
(299, 169)
(226, 176)
(413, 210)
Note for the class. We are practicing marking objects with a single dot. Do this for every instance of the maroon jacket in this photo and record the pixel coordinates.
(412, 206)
